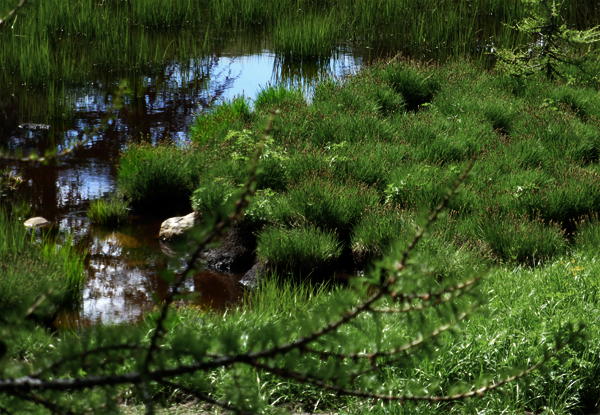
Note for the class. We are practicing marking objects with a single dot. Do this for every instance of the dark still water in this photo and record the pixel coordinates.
(123, 264)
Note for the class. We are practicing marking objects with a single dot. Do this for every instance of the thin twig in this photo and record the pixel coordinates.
(440, 297)
(392, 352)
(32, 397)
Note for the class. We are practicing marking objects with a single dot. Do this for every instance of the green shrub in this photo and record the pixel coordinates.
(112, 211)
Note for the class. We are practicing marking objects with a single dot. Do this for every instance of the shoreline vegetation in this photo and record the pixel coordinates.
(343, 182)
(52, 50)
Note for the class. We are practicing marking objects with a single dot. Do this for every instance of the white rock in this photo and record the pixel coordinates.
(37, 222)
(174, 227)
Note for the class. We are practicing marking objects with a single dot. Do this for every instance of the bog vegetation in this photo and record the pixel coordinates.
(369, 174)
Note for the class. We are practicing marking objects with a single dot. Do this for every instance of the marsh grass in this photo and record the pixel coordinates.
(111, 211)
(28, 271)
(58, 45)
(160, 177)
(300, 251)
(216, 123)
(309, 36)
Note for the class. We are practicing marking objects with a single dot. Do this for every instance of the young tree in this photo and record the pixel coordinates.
(551, 42)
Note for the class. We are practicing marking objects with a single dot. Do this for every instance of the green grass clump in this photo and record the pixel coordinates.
(329, 204)
(112, 211)
(275, 96)
(219, 120)
(521, 239)
(160, 177)
(378, 231)
(27, 270)
(587, 233)
(311, 36)
(212, 198)
(298, 250)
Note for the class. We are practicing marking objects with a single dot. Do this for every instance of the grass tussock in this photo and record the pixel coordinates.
(160, 177)
(298, 250)
(112, 211)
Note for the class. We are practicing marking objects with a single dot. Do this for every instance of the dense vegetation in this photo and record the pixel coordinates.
(344, 181)
(347, 174)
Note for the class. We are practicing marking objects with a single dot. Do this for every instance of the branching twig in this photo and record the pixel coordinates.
(440, 297)
(290, 374)
(83, 354)
(55, 409)
(402, 349)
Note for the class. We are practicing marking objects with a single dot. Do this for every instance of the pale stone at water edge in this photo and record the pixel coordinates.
(174, 227)
(36, 222)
